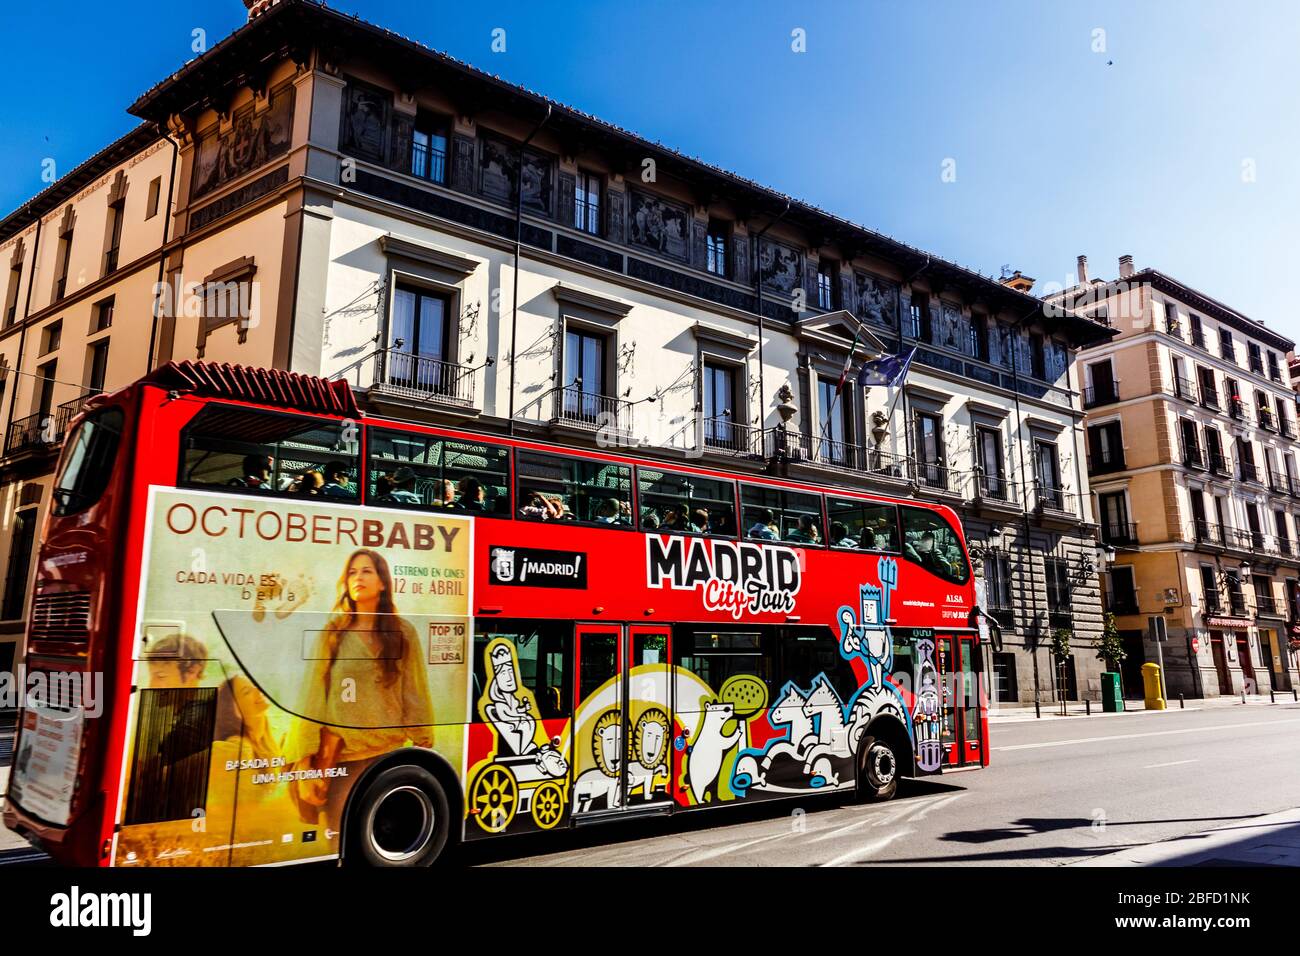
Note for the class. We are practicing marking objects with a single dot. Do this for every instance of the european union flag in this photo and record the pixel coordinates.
(888, 370)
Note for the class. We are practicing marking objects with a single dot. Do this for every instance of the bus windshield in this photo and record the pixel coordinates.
(88, 462)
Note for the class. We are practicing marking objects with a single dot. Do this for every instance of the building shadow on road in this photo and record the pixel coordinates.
(1036, 826)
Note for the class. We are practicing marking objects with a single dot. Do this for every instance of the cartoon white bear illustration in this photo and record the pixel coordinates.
(709, 747)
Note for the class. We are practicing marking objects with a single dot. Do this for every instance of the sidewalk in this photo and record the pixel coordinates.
(1011, 713)
(1268, 840)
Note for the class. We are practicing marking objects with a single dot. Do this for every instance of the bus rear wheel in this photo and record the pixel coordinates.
(878, 774)
(402, 819)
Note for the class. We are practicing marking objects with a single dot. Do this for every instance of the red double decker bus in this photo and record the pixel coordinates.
(268, 628)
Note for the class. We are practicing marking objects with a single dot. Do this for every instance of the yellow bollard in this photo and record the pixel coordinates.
(1151, 686)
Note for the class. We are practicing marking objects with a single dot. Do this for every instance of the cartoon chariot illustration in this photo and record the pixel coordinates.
(527, 773)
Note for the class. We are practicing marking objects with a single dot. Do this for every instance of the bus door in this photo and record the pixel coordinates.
(962, 701)
(623, 720)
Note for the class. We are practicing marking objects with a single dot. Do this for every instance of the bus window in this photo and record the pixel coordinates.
(928, 540)
(808, 653)
(862, 524)
(270, 453)
(411, 470)
(544, 658)
(555, 488)
(716, 656)
(88, 461)
(678, 502)
(776, 514)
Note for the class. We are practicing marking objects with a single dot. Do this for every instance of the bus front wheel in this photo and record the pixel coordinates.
(402, 819)
(878, 775)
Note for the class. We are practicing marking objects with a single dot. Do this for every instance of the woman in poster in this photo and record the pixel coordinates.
(367, 695)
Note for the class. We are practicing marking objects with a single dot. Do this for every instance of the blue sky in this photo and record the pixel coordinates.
(1179, 144)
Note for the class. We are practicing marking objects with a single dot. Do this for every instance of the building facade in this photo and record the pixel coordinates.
(1192, 458)
(345, 202)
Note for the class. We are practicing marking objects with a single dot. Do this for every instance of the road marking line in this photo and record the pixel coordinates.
(692, 857)
(867, 849)
(1172, 763)
(1153, 733)
(934, 806)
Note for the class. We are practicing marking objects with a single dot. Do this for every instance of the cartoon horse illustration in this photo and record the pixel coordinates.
(789, 711)
(826, 710)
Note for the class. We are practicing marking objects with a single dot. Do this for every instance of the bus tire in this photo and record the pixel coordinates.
(403, 818)
(879, 771)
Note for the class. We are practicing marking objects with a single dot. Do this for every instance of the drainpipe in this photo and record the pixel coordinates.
(519, 232)
(1024, 484)
(758, 305)
(902, 341)
(22, 334)
(162, 255)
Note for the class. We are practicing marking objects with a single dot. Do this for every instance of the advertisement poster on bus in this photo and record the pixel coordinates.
(282, 646)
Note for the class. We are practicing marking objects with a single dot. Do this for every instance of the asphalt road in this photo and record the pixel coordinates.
(1057, 792)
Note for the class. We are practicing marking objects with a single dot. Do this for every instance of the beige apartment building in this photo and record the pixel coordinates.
(1192, 461)
(319, 194)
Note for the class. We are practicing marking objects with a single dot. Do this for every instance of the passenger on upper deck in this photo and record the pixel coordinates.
(257, 472)
(404, 492)
(806, 533)
(338, 481)
(541, 507)
(766, 526)
(472, 497)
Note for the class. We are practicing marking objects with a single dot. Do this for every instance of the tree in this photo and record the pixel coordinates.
(1060, 644)
(1110, 646)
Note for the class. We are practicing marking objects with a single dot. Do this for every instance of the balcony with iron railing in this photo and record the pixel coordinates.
(1268, 606)
(1056, 501)
(1209, 396)
(397, 373)
(1237, 604)
(1192, 457)
(994, 489)
(935, 475)
(1285, 428)
(1256, 364)
(1184, 388)
(858, 459)
(1266, 419)
(1236, 409)
(1119, 534)
(589, 411)
(428, 163)
(1219, 464)
(1207, 533)
(721, 433)
(1246, 471)
(1173, 327)
(1228, 351)
(1198, 339)
(42, 432)
(1098, 395)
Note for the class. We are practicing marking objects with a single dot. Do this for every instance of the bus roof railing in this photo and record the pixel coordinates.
(264, 386)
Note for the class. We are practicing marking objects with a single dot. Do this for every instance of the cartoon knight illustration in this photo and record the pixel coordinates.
(510, 712)
(868, 636)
